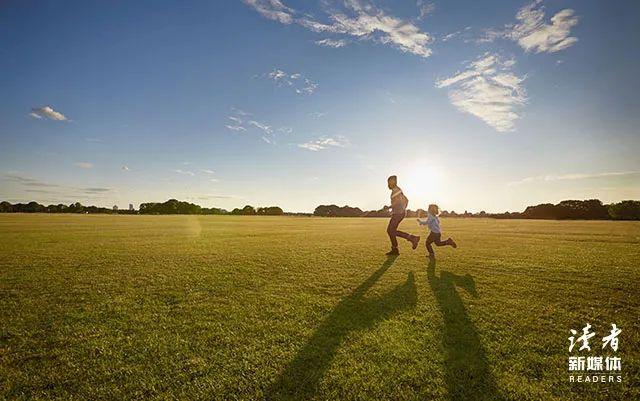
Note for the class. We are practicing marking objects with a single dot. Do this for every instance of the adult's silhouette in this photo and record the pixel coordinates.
(299, 380)
(398, 208)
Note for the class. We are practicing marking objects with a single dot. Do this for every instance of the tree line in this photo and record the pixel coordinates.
(591, 209)
(172, 206)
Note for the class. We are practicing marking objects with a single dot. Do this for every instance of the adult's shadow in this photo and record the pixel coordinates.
(467, 373)
(300, 378)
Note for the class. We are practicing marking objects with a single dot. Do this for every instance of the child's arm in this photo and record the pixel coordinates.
(422, 222)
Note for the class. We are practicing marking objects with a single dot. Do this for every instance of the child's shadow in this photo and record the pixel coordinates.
(299, 380)
(467, 372)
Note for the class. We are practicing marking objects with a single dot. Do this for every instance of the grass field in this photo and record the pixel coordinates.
(186, 307)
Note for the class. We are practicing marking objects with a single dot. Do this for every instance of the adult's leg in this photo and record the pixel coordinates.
(402, 234)
(392, 229)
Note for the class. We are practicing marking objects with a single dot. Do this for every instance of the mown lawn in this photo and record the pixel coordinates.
(220, 307)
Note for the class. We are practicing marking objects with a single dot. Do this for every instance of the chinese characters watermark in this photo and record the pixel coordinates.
(595, 368)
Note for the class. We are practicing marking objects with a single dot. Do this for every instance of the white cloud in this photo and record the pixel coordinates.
(264, 127)
(236, 127)
(84, 164)
(533, 34)
(573, 176)
(325, 142)
(317, 114)
(355, 18)
(298, 82)
(237, 120)
(424, 8)
(183, 172)
(125, 168)
(47, 112)
(268, 133)
(366, 22)
(206, 171)
(488, 90)
(453, 35)
(54, 193)
(335, 43)
(272, 9)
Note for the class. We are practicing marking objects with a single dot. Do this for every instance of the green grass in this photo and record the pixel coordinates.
(186, 307)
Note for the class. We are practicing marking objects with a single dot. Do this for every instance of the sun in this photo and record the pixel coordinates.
(423, 183)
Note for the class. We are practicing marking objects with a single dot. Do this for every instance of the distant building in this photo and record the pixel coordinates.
(115, 208)
(131, 207)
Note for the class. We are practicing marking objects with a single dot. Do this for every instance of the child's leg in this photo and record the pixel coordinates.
(439, 242)
(449, 241)
(428, 242)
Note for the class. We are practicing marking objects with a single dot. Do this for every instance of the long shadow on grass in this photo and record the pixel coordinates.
(300, 378)
(467, 372)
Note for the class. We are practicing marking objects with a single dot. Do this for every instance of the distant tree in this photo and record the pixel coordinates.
(382, 212)
(625, 210)
(75, 208)
(213, 210)
(270, 211)
(542, 211)
(6, 207)
(337, 211)
(34, 207)
(411, 213)
(591, 209)
(248, 210)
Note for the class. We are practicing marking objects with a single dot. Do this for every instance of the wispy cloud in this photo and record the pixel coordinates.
(237, 120)
(95, 190)
(214, 196)
(207, 171)
(96, 140)
(534, 34)
(325, 142)
(84, 165)
(236, 128)
(455, 34)
(573, 176)
(424, 8)
(355, 18)
(27, 181)
(35, 186)
(184, 172)
(489, 90)
(317, 114)
(47, 112)
(125, 168)
(243, 122)
(273, 10)
(335, 43)
(296, 81)
(261, 126)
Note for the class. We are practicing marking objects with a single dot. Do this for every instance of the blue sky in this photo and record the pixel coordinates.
(491, 105)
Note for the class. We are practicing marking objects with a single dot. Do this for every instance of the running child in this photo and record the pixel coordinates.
(433, 222)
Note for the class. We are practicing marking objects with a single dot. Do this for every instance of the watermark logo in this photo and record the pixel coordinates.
(604, 367)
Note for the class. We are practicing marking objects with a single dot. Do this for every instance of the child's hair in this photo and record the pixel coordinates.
(433, 209)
